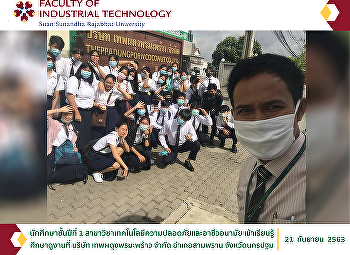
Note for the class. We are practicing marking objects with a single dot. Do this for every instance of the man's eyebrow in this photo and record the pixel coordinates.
(243, 106)
(274, 101)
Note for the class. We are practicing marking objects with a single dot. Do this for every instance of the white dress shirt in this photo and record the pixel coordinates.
(175, 108)
(191, 90)
(110, 70)
(102, 145)
(62, 136)
(68, 62)
(156, 118)
(54, 83)
(170, 128)
(220, 124)
(212, 79)
(201, 119)
(85, 94)
(151, 84)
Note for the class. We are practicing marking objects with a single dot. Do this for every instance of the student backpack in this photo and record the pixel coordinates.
(67, 167)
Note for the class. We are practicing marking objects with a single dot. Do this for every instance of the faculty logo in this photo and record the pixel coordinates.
(24, 11)
(11, 239)
(336, 13)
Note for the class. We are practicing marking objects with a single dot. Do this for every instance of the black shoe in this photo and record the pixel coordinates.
(188, 165)
(222, 144)
(234, 149)
(204, 144)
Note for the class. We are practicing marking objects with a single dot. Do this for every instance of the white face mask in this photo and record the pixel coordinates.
(267, 139)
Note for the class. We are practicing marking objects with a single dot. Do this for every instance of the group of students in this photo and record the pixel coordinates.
(143, 110)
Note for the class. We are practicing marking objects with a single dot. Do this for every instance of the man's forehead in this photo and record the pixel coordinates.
(261, 88)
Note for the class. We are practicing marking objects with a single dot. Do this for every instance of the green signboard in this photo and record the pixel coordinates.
(178, 34)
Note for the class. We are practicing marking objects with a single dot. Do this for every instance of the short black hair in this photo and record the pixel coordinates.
(148, 70)
(196, 105)
(224, 108)
(124, 68)
(185, 114)
(92, 52)
(268, 63)
(144, 117)
(55, 39)
(212, 86)
(113, 56)
(194, 79)
(163, 65)
(84, 65)
(167, 93)
(110, 76)
(121, 123)
(165, 103)
(181, 94)
(77, 50)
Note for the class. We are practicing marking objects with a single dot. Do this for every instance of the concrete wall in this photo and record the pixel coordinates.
(224, 72)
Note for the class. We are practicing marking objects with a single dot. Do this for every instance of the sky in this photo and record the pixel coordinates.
(206, 41)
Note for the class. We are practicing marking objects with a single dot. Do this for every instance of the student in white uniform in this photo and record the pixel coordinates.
(162, 71)
(134, 78)
(147, 86)
(211, 79)
(105, 101)
(105, 155)
(57, 133)
(72, 64)
(195, 91)
(158, 118)
(181, 137)
(54, 82)
(180, 104)
(80, 93)
(112, 67)
(139, 157)
(98, 71)
(225, 126)
(200, 116)
(56, 45)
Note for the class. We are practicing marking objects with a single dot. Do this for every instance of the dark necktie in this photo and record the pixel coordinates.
(262, 176)
(72, 69)
(194, 122)
(163, 120)
(177, 137)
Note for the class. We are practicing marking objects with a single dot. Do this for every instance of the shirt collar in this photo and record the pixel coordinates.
(277, 165)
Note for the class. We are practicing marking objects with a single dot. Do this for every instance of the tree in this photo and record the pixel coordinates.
(231, 50)
(300, 61)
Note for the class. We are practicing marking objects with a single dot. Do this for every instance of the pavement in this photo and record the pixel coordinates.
(169, 194)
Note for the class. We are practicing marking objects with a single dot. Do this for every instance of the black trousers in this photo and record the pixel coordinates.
(222, 137)
(213, 127)
(132, 161)
(191, 146)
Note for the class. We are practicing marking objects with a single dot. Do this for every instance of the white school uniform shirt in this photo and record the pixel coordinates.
(151, 83)
(68, 63)
(54, 83)
(191, 90)
(176, 84)
(175, 108)
(156, 118)
(102, 145)
(155, 76)
(102, 97)
(220, 123)
(170, 128)
(60, 66)
(201, 119)
(62, 136)
(138, 137)
(212, 79)
(126, 85)
(110, 70)
(85, 94)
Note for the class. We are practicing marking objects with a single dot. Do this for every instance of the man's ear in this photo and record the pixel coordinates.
(301, 110)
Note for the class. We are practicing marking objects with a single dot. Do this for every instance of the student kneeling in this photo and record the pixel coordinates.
(139, 156)
(105, 155)
(181, 137)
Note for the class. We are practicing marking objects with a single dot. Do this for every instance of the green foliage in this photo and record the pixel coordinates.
(300, 61)
(231, 50)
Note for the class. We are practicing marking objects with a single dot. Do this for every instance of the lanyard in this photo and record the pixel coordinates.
(274, 185)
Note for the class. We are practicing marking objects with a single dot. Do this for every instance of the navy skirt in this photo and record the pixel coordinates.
(111, 119)
(84, 128)
(97, 161)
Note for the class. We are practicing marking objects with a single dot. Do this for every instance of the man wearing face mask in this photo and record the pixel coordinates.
(211, 79)
(266, 95)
